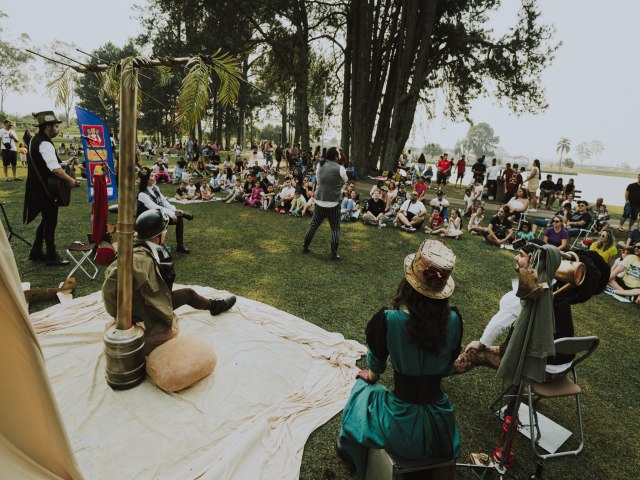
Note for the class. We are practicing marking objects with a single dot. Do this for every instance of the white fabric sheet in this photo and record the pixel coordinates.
(278, 378)
(175, 200)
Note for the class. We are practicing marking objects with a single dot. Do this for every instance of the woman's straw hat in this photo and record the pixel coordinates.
(429, 270)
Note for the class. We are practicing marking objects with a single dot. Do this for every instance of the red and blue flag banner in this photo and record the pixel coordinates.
(96, 145)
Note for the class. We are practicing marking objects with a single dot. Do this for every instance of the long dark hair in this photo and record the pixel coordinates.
(428, 317)
(536, 163)
(331, 155)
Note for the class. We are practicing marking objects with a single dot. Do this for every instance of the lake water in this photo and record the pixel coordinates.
(610, 188)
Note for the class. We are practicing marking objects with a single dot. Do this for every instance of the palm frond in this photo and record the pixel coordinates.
(194, 95)
(61, 86)
(110, 85)
(164, 74)
(229, 71)
(128, 72)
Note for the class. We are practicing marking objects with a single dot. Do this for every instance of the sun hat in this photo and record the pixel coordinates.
(428, 270)
(46, 117)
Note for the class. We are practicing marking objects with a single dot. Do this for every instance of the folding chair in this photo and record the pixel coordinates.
(562, 387)
(584, 233)
(523, 218)
(80, 254)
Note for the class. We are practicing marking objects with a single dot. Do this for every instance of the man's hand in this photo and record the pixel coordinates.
(475, 345)
(72, 182)
(174, 219)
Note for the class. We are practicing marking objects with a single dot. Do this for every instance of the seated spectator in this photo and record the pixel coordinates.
(558, 192)
(162, 175)
(627, 285)
(254, 199)
(179, 171)
(579, 220)
(216, 183)
(569, 199)
(422, 336)
(373, 212)
(525, 232)
(601, 214)
(411, 213)
(556, 234)
(297, 204)
(605, 246)
(205, 191)
(249, 183)
(421, 188)
(309, 207)
(428, 176)
(518, 204)
(392, 192)
(632, 239)
(434, 223)
(236, 194)
(350, 207)
(378, 186)
(268, 197)
(468, 203)
(181, 192)
(440, 203)
(500, 230)
(200, 168)
(192, 191)
(285, 197)
(307, 188)
(454, 230)
(476, 219)
(547, 192)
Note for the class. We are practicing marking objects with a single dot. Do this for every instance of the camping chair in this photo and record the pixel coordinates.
(584, 233)
(523, 218)
(80, 254)
(562, 387)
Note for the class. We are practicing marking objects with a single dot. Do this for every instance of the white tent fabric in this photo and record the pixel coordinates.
(278, 378)
(33, 442)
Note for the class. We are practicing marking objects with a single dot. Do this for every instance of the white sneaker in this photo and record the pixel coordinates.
(382, 225)
(411, 229)
(533, 210)
(404, 227)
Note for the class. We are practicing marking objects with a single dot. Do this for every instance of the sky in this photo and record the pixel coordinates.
(592, 86)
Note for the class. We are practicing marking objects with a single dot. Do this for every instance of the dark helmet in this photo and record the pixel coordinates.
(151, 223)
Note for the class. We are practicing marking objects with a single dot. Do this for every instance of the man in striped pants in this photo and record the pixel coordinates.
(328, 194)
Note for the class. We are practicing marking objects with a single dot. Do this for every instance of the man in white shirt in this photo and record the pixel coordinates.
(441, 204)
(43, 164)
(492, 179)
(285, 197)
(8, 140)
(411, 214)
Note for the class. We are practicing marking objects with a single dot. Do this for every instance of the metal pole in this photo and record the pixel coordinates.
(324, 111)
(124, 343)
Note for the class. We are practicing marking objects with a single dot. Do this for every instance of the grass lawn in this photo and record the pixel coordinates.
(257, 255)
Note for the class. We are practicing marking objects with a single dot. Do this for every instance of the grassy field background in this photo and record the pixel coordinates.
(256, 254)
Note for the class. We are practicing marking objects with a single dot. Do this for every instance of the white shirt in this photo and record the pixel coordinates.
(48, 152)
(147, 200)
(439, 203)
(510, 308)
(415, 208)
(287, 192)
(494, 171)
(6, 138)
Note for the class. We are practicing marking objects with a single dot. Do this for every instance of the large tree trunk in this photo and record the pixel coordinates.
(345, 131)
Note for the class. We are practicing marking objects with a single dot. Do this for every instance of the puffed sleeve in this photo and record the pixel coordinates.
(458, 343)
(376, 335)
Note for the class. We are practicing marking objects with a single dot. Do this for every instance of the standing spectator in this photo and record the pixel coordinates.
(22, 151)
(631, 204)
(420, 166)
(188, 146)
(533, 182)
(492, 179)
(460, 166)
(444, 170)
(8, 137)
(512, 181)
(479, 169)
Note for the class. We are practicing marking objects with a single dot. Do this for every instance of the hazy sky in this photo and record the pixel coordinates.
(592, 87)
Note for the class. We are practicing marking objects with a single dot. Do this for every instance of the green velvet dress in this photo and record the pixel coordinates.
(375, 418)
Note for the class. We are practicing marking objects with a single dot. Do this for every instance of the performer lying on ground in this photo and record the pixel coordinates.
(153, 277)
(422, 335)
(483, 353)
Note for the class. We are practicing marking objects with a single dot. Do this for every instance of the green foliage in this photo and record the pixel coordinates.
(433, 150)
(15, 66)
(480, 140)
(567, 162)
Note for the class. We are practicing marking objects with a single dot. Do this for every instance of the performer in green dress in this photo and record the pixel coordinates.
(422, 334)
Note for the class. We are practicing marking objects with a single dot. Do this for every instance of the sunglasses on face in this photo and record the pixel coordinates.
(556, 221)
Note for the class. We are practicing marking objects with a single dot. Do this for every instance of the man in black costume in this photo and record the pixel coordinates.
(43, 163)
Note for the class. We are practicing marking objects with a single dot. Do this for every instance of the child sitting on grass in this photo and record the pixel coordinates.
(434, 223)
(454, 230)
(297, 204)
(268, 198)
(205, 191)
(468, 203)
(193, 192)
(254, 199)
(525, 232)
(237, 193)
(181, 192)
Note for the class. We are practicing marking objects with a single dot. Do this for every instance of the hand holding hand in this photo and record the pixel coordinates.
(368, 376)
(475, 345)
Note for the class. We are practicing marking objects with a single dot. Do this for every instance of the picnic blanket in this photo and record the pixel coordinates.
(278, 378)
(174, 200)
